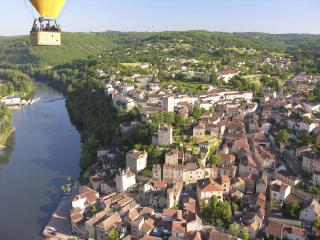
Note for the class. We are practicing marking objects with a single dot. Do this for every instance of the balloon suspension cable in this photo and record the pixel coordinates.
(64, 8)
(29, 9)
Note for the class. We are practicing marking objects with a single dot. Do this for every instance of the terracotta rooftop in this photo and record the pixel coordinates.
(215, 235)
(275, 229)
(108, 223)
(298, 232)
(208, 185)
(150, 238)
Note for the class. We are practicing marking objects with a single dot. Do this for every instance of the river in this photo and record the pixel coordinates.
(43, 151)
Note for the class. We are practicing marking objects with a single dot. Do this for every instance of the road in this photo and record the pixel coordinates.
(60, 219)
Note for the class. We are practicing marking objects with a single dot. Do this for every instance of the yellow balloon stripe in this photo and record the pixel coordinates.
(48, 8)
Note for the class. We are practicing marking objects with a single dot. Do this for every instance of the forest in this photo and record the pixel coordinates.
(14, 82)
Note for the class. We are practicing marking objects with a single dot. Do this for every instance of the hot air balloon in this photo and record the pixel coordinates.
(45, 30)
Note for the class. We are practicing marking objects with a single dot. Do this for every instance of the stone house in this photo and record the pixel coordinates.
(172, 157)
(199, 131)
(207, 188)
(157, 172)
(163, 136)
(136, 160)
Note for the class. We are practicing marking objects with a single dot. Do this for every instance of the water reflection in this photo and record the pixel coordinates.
(6, 152)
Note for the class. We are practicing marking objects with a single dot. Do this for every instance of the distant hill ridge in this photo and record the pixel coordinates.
(18, 50)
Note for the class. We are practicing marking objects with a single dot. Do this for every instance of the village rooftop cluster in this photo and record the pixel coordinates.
(245, 163)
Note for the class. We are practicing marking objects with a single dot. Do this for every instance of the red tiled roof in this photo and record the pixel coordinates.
(215, 235)
(298, 232)
(274, 229)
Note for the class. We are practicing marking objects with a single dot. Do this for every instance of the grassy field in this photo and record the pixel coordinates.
(18, 50)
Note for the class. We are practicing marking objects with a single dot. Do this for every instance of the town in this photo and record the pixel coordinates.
(222, 162)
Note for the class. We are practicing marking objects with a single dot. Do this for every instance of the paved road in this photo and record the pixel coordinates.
(60, 219)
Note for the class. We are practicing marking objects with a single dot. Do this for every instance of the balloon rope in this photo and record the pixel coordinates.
(64, 8)
(28, 9)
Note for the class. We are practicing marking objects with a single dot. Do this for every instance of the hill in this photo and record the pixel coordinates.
(18, 50)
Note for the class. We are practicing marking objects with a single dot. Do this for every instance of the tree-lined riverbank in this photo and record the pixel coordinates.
(5, 125)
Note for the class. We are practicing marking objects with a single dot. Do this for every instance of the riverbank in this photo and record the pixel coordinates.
(4, 143)
(6, 128)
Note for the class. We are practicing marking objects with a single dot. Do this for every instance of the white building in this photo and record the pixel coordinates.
(136, 160)
(227, 75)
(170, 102)
(127, 88)
(123, 101)
(307, 126)
(11, 101)
(154, 87)
(124, 180)
(279, 192)
(207, 188)
(311, 107)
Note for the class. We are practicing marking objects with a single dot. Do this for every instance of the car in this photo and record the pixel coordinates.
(52, 229)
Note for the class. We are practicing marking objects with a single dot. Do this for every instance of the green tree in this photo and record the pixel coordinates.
(215, 159)
(179, 121)
(65, 187)
(206, 212)
(89, 150)
(214, 202)
(214, 78)
(315, 189)
(234, 230)
(198, 161)
(283, 136)
(245, 234)
(234, 208)
(113, 234)
(196, 112)
(226, 213)
(292, 209)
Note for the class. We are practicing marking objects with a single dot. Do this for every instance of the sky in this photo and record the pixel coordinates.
(272, 16)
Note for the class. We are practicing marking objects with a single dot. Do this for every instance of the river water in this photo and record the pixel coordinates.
(43, 151)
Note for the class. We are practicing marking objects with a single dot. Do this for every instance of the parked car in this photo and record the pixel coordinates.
(52, 229)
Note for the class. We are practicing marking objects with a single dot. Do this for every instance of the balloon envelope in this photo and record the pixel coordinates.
(48, 8)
